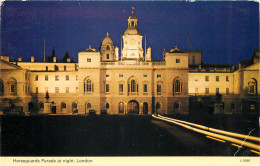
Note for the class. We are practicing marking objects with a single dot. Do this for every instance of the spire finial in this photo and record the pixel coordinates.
(107, 34)
(133, 9)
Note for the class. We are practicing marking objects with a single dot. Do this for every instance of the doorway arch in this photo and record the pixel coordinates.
(145, 108)
(133, 107)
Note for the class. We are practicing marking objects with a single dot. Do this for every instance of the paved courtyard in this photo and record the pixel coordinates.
(130, 135)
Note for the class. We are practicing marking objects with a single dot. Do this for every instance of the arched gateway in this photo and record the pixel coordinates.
(133, 107)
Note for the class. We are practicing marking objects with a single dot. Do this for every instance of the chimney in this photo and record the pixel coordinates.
(54, 59)
(19, 59)
(32, 58)
(68, 60)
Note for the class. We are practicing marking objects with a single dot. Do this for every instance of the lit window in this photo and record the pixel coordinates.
(206, 90)
(133, 86)
(67, 89)
(178, 60)
(56, 78)
(206, 78)
(227, 78)
(217, 78)
(67, 77)
(89, 86)
(88, 59)
(36, 78)
(46, 78)
(159, 89)
(107, 88)
(56, 89)
(177, 87)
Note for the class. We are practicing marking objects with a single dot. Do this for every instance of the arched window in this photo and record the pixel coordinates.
(252, 87)
(88, 105)
(41, 105)
(63, 107)
(176, 106)
(89, 86)
(121, 107)
(177, 87)
(107, 106)
(133, 86)
(108, 48)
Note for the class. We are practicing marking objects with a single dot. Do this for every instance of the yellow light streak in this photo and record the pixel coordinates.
(216, 130)
(215, 139)
(230, 139)
(237, 145)
(255, 151)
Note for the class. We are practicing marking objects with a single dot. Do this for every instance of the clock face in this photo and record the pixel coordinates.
(132, 42)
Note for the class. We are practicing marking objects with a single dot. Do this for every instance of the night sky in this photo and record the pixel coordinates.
(226, 32)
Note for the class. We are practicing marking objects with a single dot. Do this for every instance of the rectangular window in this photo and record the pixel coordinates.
(206, 78)
(46, 68)
(107, 88)
(56, 89)
(159, 76)
(196, 90)
(65, 68)
(121, 88)
(206, 91)
(46, 78)
(107, 75)
(159, 89)
(196, 79)
(178, 60)
(217, 78)
(217, 90)
(36, 78)
(145, 75)
(77, 78)
(227, 78)
(12, 89)
(56, 78)
(145, 88)
(36, 89)
(107, 56)
(46, 89)
(227, 91)
(67, 89)
(121, 75)
(88, 59)
(67, 77)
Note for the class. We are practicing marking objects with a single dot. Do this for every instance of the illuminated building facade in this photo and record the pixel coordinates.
(131, 83)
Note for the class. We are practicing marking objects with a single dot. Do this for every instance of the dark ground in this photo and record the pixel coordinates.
(70, 135)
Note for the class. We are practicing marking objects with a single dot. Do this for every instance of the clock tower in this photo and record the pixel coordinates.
(132, 40)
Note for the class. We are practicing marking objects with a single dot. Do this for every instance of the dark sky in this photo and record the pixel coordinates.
(226, 32)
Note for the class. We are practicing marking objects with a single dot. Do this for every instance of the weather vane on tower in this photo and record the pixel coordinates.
(133, 9)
